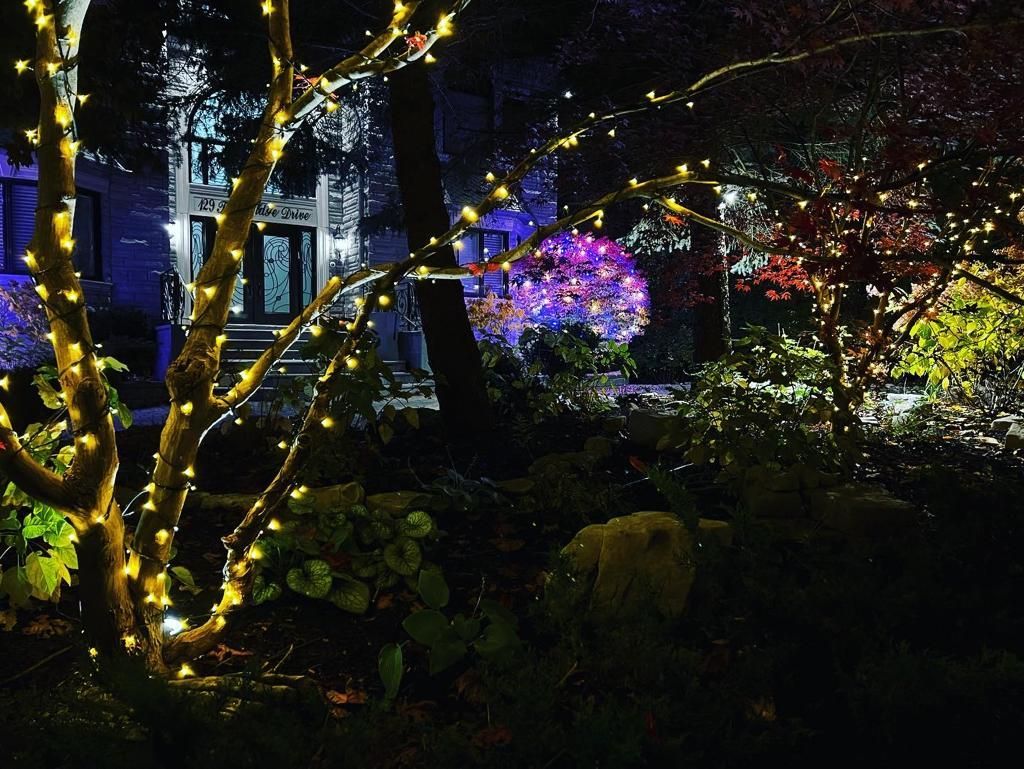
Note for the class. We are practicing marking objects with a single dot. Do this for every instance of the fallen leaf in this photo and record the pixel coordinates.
(385, 600)
(45, 626)
(470, 687)
(8, 619)
(417, 712)
(348, 697)
(222, 652)
(492, 736)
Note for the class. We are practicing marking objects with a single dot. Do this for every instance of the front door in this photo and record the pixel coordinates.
(278, 268)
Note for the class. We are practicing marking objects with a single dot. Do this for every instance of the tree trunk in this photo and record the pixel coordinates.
(454, 356)
(107, 605)
(712, 326)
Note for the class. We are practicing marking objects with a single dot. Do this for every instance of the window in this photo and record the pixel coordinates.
(17, 223)
(481, 246)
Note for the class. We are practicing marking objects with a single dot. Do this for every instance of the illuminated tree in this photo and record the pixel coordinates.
(580, 279)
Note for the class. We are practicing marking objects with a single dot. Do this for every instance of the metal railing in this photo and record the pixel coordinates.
(408, 307)
(172, 297)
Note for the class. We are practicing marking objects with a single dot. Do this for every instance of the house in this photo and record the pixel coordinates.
(142, 237)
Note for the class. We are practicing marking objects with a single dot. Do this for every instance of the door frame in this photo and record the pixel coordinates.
(299, 293)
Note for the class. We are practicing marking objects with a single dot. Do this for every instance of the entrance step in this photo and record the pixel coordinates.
(246, 342)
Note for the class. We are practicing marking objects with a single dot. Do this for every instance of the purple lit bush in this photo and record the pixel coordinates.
(23, 327)
(580, 279)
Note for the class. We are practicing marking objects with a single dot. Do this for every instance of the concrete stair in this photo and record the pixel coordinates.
(246, 342)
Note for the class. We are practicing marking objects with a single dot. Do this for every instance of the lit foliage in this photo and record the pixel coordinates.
(971, 347)
(23, 328)
(580, 279)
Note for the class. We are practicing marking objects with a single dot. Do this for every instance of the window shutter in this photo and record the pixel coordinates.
(23, 215)
(4, 256)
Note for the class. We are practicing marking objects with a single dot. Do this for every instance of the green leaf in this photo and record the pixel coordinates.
(67, 555)
(403, 556)
(498, 641)
(33, 530)
(312, 580)
(43, 574)
(15, 585)
(113, 364)
(417, 524)
(386, 432)
(433, 589)
(125, 415)
(467, 628)
(495, 612)
(263, 591)
(47, 394)
(351, 595)
(412, 416)
(391, 666)
(445, 653)
(425, 626)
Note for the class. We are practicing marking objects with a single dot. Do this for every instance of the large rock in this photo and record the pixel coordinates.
(1015, 437)
(1002, 424)
(647, 427)
(860, 510)
(397, 502)
(639, 561)
(770, 493)
(321, 500)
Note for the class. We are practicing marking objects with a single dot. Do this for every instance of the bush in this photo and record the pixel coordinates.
(552, 371)
(23, 328)
(763, 405)
(970, 349)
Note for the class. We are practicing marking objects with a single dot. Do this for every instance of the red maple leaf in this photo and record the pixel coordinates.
(417, 42)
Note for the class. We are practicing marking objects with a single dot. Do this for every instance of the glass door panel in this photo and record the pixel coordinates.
(276, 291)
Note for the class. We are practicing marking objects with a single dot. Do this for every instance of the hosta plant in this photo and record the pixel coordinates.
(341, 556)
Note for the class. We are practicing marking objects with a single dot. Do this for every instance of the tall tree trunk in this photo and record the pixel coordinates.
(712, 324)
(454, 356)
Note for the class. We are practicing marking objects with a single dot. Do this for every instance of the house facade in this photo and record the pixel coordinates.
(142, 237)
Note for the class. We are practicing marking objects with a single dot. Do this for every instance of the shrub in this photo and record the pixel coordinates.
(970, 349)
(581, 280)
(23, 328)
(552, 371)
(762, 405)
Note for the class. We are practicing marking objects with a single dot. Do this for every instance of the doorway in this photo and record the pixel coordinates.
(279, 268)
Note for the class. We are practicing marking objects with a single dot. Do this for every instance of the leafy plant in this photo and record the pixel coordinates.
(552, 371)
(339, 556)
(492, 633)
(762, 405)
(971, 349)
(37, 541)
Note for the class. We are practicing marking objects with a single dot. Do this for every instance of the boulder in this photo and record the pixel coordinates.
(765, 503)
(770, 493)
(1015, 437)
(1004, 423)
(397, 502)
(860, 510)
(647, 427)
(516, 486)
(321, 500)
(639, 561)
(599, 446)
